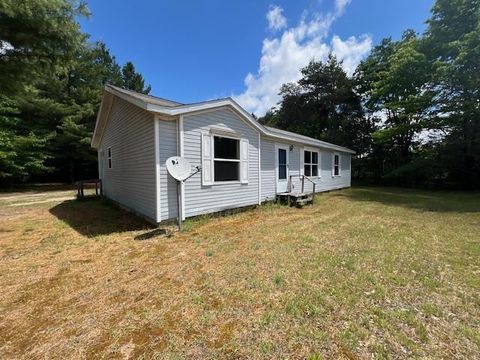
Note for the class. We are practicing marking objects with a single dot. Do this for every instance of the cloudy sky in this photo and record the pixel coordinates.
(198, 50)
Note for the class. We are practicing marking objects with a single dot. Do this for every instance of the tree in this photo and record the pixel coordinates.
(83, 90)
(324, 105)
(133, 80)
(394, 83)
(52, 80)
(37, 37)
(453, 46)
(22, 152)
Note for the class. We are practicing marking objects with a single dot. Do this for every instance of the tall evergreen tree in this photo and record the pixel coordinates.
(453, 46)
(37, 37)
(133, 80)
(52, 81)
(324, 105)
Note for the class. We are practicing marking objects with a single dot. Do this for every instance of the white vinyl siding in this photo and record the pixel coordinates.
(324, 181)
(268, 169)
(131, 179)
(202, 195)
(168, 185)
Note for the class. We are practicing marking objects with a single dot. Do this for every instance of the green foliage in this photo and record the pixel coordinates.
(133, 80)
(394, 81)
(38, 37)
(323, 104)
(52, 81)
(453, 46)
(412, 110)
(21, 151)
(428, 85)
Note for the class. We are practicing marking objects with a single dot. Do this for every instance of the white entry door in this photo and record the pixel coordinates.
(281, 168)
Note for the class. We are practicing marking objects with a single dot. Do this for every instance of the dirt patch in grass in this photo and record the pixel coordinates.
(364, 272)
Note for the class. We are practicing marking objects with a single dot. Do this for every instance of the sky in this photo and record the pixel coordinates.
(194, 50)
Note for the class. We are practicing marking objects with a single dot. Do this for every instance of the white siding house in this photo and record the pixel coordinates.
(242, 162)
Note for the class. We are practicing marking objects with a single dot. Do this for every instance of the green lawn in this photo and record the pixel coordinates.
(364, 272)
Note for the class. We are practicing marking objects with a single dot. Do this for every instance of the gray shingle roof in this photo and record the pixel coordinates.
(174, 108)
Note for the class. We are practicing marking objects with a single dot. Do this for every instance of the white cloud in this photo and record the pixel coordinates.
(340, 6)
(283, 57)
(276, 20)
(351, 51)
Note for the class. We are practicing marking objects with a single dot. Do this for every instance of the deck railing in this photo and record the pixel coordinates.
(303, 177)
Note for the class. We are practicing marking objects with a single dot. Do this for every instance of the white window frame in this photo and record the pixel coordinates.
(339, 165)
(311, 150)
(208, 157)
(109, 158)
(233, 137)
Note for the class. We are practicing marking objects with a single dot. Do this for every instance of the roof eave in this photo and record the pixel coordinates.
(172, 112)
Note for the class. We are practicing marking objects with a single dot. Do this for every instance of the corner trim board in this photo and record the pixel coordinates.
(182, 146)
(259, 169)
(157, 168)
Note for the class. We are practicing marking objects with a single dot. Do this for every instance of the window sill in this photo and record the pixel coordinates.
(236, 182)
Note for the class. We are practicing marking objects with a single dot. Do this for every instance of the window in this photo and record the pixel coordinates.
(310, 163)
(226, 159)
(282, 164)
(336, 165)
(109, 157)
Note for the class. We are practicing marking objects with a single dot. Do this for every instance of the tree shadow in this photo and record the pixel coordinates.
(95, 216)
(434, 201)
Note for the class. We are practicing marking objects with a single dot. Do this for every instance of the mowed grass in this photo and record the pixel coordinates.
(365, 272)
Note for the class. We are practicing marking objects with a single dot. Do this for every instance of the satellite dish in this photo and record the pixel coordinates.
(179, 168)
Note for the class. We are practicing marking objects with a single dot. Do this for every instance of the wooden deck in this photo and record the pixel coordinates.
(296, 199)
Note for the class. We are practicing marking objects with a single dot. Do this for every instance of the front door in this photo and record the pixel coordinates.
(282, 168)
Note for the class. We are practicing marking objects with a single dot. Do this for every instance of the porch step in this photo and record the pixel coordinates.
(295, 199)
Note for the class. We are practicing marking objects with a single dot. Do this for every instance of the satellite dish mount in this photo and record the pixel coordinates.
(181, 170)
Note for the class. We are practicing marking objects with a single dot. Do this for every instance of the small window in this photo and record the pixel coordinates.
(109, 157)
(336, 165)
(282, 164)
(226, 162)
(310, 163)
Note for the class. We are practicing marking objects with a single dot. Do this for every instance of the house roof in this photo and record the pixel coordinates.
(146, 98)
(172, 109)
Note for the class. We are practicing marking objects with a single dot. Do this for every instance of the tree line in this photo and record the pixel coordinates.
(51, 80)
(411, 110)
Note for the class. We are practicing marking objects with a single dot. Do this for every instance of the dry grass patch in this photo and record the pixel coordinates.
(363, 272)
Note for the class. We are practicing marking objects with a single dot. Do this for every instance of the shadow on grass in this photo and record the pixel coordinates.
(152, 234)
(435, 201)
(94, 216)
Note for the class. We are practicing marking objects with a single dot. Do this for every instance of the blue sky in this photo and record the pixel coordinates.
(198, 50)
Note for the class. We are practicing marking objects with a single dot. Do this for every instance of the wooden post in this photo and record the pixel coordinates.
(303, 183)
